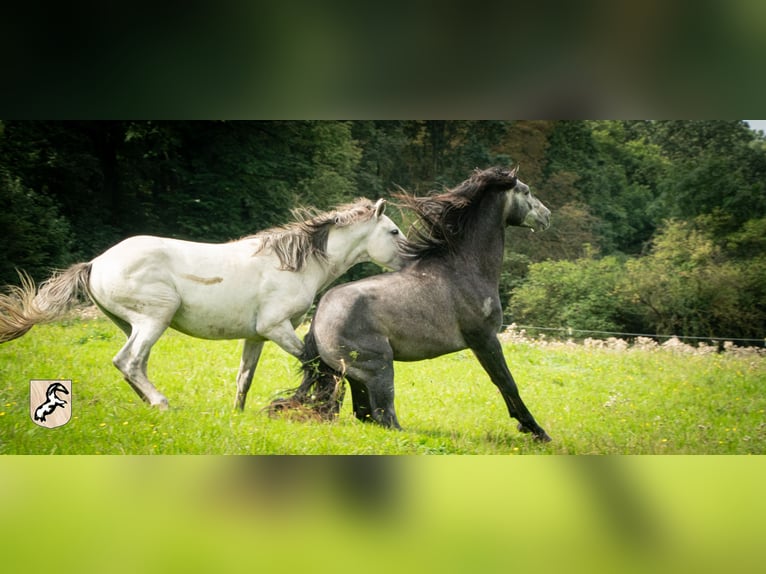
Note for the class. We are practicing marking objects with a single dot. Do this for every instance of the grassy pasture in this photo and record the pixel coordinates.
(590, 400)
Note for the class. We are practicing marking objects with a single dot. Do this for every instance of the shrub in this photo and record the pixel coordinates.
(687, 285)
(581, 294)
(36, 237)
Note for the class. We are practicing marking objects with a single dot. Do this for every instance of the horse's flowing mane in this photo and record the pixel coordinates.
(295, 242)
(442, 217)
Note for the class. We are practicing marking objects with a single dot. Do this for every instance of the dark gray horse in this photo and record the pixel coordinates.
(446, 299)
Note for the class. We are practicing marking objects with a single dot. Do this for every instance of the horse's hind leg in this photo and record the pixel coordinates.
(374, 394)
(361, 400)
(382, 403)
(250, 355)
(133, 358)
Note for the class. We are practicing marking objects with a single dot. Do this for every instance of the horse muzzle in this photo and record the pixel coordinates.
(538, 219)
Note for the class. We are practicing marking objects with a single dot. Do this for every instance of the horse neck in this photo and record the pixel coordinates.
(483, 244)
(345, 248)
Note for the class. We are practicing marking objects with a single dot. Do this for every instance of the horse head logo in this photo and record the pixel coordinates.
(48, 408)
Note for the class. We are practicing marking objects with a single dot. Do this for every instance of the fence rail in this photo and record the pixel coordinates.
(570, 332)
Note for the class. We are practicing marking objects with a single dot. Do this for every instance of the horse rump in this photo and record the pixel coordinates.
(320, 394)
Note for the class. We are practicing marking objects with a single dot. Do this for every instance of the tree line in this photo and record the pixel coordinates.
(658, 226)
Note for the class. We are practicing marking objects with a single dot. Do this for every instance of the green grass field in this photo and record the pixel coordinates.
(590, 401)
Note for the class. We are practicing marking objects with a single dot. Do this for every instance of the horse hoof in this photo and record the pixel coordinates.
(540, 434)
(162, 405)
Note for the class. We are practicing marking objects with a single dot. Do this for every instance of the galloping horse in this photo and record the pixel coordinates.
(257, 288)
(446, 299)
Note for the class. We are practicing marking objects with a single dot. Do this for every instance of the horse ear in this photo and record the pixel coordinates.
(380, 207)
(515, 171)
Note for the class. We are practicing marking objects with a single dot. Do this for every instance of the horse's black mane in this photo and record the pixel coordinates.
(443, 217)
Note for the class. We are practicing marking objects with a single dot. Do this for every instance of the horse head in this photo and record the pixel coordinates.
(523, 209)
(385, 240)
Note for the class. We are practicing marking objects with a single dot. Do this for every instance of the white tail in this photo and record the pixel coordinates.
(24, 306)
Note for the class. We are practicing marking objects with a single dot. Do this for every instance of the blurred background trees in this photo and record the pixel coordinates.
(658, 226)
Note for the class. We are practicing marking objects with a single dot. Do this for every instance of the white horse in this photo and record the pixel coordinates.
(257, 288)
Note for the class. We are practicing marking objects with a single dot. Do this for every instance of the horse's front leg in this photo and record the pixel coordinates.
(250, 355)
(490, 355)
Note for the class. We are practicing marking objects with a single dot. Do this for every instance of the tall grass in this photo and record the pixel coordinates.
(590, 400)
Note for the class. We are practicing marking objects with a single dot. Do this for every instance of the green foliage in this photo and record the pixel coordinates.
(223, 180)
(334, 159)
(611, 185)
(749, 241)
(717, 164)
(36, 237)
(210, 181)
(687, 285)
(581, 294)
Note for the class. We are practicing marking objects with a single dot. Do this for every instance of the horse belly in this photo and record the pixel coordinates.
(224, 310)
(239, 310)
(419, 346)
(211, 323)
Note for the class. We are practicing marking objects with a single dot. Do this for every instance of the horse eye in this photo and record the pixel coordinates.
(394, 232)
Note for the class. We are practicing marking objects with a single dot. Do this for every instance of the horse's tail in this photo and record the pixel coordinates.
(24, 306)
(322, 389)
(322, 385)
